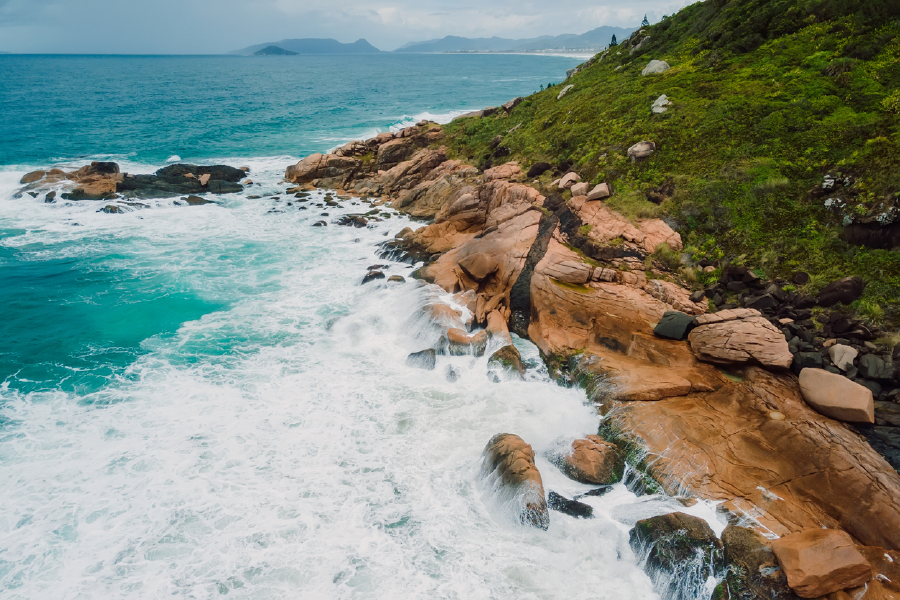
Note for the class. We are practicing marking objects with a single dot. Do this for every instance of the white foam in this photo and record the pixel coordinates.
(441, 118)
(281, 447)
(173, 159)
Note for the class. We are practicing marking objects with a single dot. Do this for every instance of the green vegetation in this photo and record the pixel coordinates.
(768, 96)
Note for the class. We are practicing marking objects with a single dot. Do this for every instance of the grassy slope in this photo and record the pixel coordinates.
(769, 95)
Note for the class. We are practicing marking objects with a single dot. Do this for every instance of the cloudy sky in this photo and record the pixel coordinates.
(216, 26)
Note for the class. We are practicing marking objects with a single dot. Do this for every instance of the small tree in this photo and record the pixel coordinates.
(613, 41)
(645, 22)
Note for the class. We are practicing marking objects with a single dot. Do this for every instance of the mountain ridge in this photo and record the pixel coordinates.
(595, 39)
(312, 46)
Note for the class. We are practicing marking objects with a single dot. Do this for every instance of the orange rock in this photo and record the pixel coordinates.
(741, 337)
(461, 343)
(836, 396)
(32, 177)
(821, 561)
(594, 460)
(509, 462)
(479, 266)
(507, 171)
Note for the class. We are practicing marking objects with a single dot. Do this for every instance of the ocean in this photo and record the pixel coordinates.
(204, 401)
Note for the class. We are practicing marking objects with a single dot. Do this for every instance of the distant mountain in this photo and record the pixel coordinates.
(595, 39)
(274, 51)
(313, 46)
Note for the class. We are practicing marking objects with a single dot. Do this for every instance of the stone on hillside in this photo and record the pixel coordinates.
(568, 180)
(508, 106)
(836, 396)
(579, 189)
(873, 367)
(821, 561)
(32, 177)
(641, 150)
(844, 290)
(842, 356)
(661, 105)
(564, 91)
(654, 67)
(508, 359)
(672, 544)
(538, 169)
(805, 360)
(461, 343)
(479, 266)
(426, 359)
(573, 508)
(801, 278)
(601, 190)
(591, 460)
(739, 336)
(674, 324)
(508, 465)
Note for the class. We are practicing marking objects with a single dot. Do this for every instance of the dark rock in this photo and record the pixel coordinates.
(171, 181)
(508, 359)
(426, 359)
(803, 301)
(736, 286)
(320, 224)
(887, 413)
(372, 276)
(843, 291)
(572, 508)
(104, 168)
(801, 278)
(217, 186)
(197, 200)
(760, 302)
(538, 169)
(872, 385)
(452, 375)
(674, 325)
(873, 235)
(884, 440)
(804, 360)
(718, 300)
(873, 367)
(357, 221)
(841, 326)
(50, 197)
(698, 296)
(111, 209)
(600, 491)
(735, 272)
(752, 569)
(681, 552)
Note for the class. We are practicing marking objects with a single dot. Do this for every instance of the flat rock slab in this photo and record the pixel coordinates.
(821, 561)
(836, 396)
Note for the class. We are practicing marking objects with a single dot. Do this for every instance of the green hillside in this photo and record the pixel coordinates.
(768, 97)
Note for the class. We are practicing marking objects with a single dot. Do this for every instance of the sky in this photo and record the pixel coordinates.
(218, 26)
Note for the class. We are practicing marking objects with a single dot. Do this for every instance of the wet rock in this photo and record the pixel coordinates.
(111, 209)
(590, 460)
(461, 343)
(739, 336)
(320, 224)
(452, 375)
(573, 508)
(675, 325)
(681, 552)
(821, 561)
(538, 169)
(357, 221)
(836, 396)
(508, 464)
(197, 200)
(396, 279)
(424, 359)
(33, 176)
(752, 569)
(843, 291)
(372, 276)
(50, 197)
(507, 359)
(596, 492)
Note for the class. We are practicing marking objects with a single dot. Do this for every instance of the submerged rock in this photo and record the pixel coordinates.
(508, 465)
(573, 508)
(372, 276)
(424, 359)
(752, 570)
(461, 343)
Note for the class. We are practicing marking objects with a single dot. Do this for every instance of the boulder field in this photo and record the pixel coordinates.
(712, 398)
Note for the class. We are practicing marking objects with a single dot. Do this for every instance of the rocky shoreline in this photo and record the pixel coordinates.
(700, 388)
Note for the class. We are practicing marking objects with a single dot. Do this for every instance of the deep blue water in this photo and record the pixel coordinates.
(201, 107)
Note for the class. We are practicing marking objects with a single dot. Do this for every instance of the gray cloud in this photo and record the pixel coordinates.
(215, 26)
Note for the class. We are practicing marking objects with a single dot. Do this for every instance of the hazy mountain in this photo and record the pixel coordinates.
(596, 39)
(313, 46)
(274, 51)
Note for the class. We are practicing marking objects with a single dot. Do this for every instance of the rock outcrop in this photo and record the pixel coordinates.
(508, 464)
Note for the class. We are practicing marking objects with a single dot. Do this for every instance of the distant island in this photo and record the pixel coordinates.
(274, 51)
(596, 39)
(308, 46)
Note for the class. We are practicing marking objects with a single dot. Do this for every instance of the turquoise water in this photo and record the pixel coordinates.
(204, 401)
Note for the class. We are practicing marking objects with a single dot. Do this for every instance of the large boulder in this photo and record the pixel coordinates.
(479, 266)
(508, 466)
(600, 191)
(740, 336)
(681, 552)
(33, 176)
(821, 561)
(509, 360)
(836, 396)
(591, 460)
(461, 343)
(654, 67)
(425, 359)
(873, 367)
(641, 150)
(538, 169)
(844, 290)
